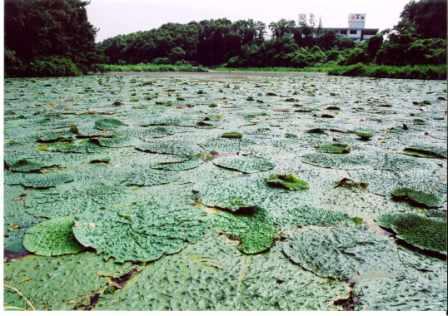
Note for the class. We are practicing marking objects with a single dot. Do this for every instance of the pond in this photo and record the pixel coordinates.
(225, 191)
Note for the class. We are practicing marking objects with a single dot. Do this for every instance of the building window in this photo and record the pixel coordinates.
(353, 32)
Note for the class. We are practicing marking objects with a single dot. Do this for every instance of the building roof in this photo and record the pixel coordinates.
(348, 28)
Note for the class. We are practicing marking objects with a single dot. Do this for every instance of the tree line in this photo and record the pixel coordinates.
(48, 37)
(41, 33)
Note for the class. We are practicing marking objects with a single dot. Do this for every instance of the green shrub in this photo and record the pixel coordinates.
(52, 67)
(425, 72)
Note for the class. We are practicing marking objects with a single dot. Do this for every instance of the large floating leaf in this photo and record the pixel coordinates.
(288, 182)
(72, 202)
(308, 215)
(244, 164)
(148, 177)
(226, 145)
(233, 194)
(58, 283)
(337, 252)
(417, 197)
(413, 286)
(79, 146)
(211, 275)
(271, 282)
(108, 123)
(141, 233)
(27, 165)
(53, 237)
(255, 232)
(334, 148)
(426, 151)
(148, 134)
(40, 181)
(180, 165)
(169, 148)
(347, 162)
(202, 277)
(422, 232)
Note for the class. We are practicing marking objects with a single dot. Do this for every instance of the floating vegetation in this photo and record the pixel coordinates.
(235, 194)
(334, 148)
(419, 231)
(287, 181)
(40, 181)
(351, 184)
(108, 123)
(232, 135)
(255, 232)
(244, 164)
(425, 151)
(364, 134)
(202, 192)
(27, 165)
(141, 233)
(416, 197)
(53, 237)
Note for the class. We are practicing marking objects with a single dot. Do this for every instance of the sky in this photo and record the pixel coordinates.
(114, 17)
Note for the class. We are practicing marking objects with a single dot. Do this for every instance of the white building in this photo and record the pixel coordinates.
(356, 29)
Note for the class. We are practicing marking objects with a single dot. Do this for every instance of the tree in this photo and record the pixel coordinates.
(425, 18)
(374, 45)
(44, 28)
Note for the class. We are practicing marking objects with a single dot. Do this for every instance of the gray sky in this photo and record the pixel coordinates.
(114, 17)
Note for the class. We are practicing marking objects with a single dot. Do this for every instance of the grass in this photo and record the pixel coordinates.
(425, 72)
(151, 68)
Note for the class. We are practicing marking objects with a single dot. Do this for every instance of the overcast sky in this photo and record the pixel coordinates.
(114, 17)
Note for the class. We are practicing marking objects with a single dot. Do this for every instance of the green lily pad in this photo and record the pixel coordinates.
(232, 135)
(149, 134)
(114, 141)
(345, 162)
(364, 134)
(336, 148)
(420, 198)
(74, 201)
(79, 146)
(53, 237)
(213, 275)
(244, 164)
(148, 177)
(226, 145)
(234, 194)
(309, 215)
(40, 181)
(351, 184)
(51, 136)
(176, 148)
(287, 181)
(144, 232)
(58, 283)
(108, 123)
(181, 165)
(255, 232)
(338, 252)
(426, 151)
(416, 287)
(27, 165)
(202, 277)
(422, 232)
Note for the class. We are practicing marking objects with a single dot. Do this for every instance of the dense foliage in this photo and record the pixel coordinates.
(54, 37)
(215, 42)
(418, 39)
(48, 38)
